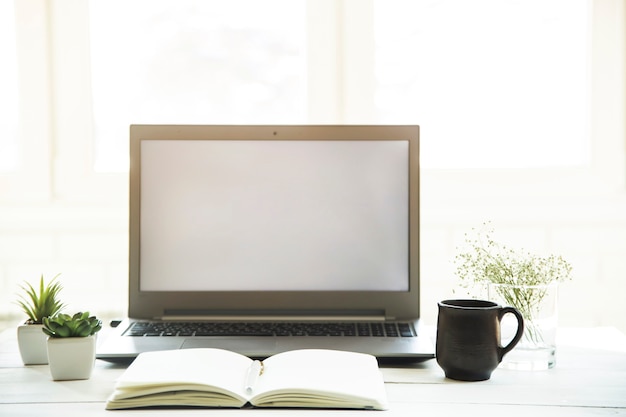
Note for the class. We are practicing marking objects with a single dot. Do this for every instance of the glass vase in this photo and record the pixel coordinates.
(538, 305)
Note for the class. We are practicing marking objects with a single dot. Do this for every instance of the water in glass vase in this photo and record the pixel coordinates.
(538, 305)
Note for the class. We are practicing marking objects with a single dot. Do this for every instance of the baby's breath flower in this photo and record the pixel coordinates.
(485, 262)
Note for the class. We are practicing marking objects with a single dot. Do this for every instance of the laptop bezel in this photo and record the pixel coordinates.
(400, 305)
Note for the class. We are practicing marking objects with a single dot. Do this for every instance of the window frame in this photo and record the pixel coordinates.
(57, 121)
(30, 181)
(76, 178)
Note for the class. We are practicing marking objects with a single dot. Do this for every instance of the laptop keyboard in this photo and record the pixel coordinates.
(165, 329)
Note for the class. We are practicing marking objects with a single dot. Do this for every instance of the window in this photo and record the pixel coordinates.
(193, 61)
(494, 84)
(500, 83)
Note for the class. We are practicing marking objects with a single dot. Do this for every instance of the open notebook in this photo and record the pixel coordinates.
(264, 239)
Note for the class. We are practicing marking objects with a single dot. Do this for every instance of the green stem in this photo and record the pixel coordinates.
(527, 301)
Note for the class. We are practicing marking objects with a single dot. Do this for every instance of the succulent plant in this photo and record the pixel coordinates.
(78, 325)
(44, 303)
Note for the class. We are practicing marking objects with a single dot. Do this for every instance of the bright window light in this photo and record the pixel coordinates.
(193, 61)
(492, 83)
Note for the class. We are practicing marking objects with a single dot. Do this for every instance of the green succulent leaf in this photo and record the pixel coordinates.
(63, 331)
(83, 329)
(77, 325)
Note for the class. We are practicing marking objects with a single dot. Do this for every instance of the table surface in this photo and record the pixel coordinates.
(589, 379)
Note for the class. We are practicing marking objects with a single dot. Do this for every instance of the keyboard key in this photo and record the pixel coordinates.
(193, 329)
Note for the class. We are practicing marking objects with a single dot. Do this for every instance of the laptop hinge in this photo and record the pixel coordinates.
(273, 315)
(269, 318)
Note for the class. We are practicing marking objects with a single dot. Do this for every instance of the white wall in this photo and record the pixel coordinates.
(87, 245)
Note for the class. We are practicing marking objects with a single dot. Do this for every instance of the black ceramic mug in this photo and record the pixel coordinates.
(468, 346)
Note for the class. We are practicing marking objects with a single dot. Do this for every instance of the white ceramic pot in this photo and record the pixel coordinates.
(71, 357)
(32, 343)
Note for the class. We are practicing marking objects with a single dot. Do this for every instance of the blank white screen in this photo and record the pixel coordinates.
(274, 215)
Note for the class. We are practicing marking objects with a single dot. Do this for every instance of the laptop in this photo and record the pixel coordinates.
(263, 239)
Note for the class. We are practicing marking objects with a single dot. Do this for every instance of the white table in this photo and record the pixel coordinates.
(589, 379)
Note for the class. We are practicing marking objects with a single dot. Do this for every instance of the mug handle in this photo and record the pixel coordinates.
(520, 328)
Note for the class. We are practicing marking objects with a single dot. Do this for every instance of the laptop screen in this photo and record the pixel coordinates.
(249, 215)
(273, 219)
